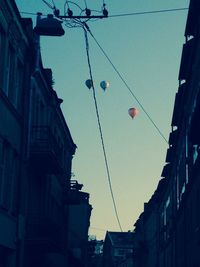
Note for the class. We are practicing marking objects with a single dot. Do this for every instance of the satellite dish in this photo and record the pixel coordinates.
(104, 85)
(133, 112)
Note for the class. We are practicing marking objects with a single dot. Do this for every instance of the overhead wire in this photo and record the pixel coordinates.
(87, 29)
(49, 5)
(85, 3)
(99, 229)
(100, 127)
(127, 86)
(53, 3)
(148, 12)
(116, 15)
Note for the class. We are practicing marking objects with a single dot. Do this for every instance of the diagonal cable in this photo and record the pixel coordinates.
(100, 128)
(127, 86)
(149, 12)
(49, 5)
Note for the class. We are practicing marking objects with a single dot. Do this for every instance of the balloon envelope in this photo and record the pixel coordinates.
(132, 112)
(88, 83)
(104, 85)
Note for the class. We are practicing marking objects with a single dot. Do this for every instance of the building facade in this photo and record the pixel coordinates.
(173, 220)
(36, 152)
(14, 70)
(118, 249)
(79, 222)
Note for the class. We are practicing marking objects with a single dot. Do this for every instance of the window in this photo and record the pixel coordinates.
(10, 74)
(120, 252)
(7, 178)
(37, 111)
(14, 179)
(195, 153)
(8, 175)
(181, 176)
(2, 163)
(2, 57)
(17, 90)
(165, 219)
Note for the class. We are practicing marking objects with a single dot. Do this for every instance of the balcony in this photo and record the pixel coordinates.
(43, 233)
(45, 153)
(179, 105)
(73, 195)
(173, 137)
(186, 60)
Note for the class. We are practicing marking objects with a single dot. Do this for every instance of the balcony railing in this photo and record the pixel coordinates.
(45, 152)
(73, 195)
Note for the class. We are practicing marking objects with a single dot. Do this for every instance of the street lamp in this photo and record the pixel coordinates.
(49, 26)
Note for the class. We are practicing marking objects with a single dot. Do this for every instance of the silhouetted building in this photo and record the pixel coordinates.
(36, 151)
(118, 249)
(14, 71)
(49, 154)
(173, 224)
(79, 222)
(95, 252)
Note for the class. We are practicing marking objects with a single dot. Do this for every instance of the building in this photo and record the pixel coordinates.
(50, 149)
(79, 222)
(95, 252)
(36, 152)
(176, 210)
(118, 249)
(14, 72)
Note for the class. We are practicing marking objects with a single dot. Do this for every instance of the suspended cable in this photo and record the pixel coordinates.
(148, 12)
(117, 15)
(53, 3)
(100, 128)
(127, 86)
(85, 3)
(28, 13)
(99, 229)
(49, 5)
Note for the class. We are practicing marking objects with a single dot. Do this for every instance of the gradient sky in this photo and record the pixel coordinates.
(146, 50)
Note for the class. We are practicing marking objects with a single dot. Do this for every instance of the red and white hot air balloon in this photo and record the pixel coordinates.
(132, 112)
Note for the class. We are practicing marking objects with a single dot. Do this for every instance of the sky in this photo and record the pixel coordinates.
(146, 51)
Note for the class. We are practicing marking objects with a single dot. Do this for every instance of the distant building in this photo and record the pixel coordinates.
(78, 224)
(118, 249)
(95, 252)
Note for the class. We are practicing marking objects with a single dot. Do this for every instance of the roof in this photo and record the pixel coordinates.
(121, 239)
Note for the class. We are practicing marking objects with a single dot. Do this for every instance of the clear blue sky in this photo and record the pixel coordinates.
(146, 49)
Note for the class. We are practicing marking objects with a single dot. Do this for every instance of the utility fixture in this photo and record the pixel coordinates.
(49, 26)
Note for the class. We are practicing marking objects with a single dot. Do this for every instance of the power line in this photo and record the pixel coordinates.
(122, 15)
(98, 229)
(49, 5)
(100, 128)
(148, 12)
(127, 86)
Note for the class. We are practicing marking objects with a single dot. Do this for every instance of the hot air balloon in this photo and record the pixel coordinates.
(132, 112)
(88, 83)
(104, 85)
